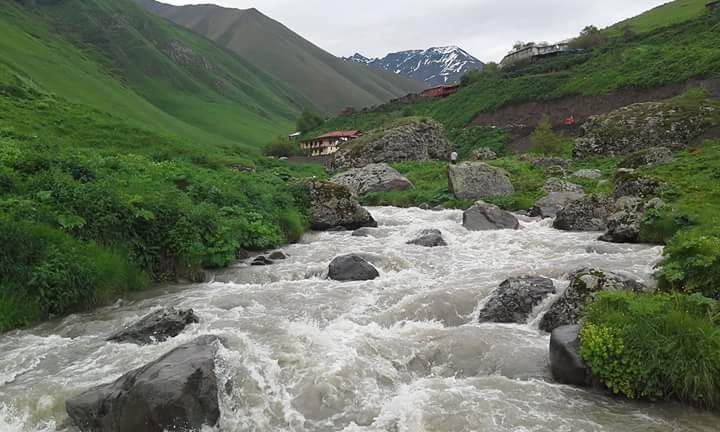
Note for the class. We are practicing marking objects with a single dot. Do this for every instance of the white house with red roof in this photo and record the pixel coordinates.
(329, 143)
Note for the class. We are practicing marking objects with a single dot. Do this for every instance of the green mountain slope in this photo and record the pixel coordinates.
(331, 83)
(670, 13)
(116, 57)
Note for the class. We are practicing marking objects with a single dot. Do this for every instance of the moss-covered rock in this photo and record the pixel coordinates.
(332, 206)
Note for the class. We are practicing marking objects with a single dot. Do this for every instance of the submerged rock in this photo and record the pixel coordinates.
(261, 261)
(179, 391)
(363, 232)
(352, 268)
(486, 217)
(478, 180)
(584, 284)
(429, 238)
(333, 206)
(549, 206)
(278, 255)
(157, 326)
(566, 364)
(515, 299)
(589, 213)
(372, 178)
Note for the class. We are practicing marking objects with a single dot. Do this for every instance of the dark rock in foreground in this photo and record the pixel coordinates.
(429, 238)
(177, 392)
(584, 284)
(566, 364)
(157, 326)
(486, 217)
(351, 268)
(515, 299)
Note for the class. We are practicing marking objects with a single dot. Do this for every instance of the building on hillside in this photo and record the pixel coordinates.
(713, 6)
(532, 51)
(440, 91)
(329, 143)
(295, 136)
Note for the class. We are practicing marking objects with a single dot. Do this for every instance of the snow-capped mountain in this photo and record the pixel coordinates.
(434, 66)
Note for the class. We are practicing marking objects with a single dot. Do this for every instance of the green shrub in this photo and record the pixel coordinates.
(282, 147)
(655, 346)
(543, 140)
(692, 263)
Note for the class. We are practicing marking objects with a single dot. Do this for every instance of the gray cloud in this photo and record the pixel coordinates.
(485, 28)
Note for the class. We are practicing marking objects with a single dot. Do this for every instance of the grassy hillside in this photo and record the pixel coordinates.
(673, 12)
(331, 83)
(116, 57)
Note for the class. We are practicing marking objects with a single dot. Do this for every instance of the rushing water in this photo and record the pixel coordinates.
(402, 353)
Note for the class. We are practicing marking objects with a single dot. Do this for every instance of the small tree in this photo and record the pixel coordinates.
(543, 140)
(308, 121)
(590, 37)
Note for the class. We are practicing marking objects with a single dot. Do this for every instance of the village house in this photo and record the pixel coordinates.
(533, 51)
(329, 143)
(440, 91)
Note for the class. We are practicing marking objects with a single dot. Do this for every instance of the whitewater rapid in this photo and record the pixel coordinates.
(402, 353)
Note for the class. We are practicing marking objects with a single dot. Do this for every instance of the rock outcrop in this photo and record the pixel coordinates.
(588, 173)
(515, 299)
(478, 180)
(642, 126)
(352, 268)
(549, 206)
(429, 238)
(157, 326)
(623, 227)
(589, 213)
(372, 178)
(584, 284)
(555, 184)
(629, 183)
(486, 217)
(179, 391)
(648, 157)
(566, 364)
(333, 206)
(418, 140)
(483, 154)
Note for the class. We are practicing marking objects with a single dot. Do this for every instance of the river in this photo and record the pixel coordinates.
(402, 353)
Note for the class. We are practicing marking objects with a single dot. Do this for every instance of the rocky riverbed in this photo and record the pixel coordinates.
(403, 352)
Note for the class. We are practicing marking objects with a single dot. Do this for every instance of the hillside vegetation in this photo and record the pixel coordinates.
(672, 12)
(329, 82)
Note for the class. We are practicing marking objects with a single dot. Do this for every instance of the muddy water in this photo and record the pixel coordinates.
(402, 353)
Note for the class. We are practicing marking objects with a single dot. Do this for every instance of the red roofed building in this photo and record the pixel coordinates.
(329, 143)
(440, 91)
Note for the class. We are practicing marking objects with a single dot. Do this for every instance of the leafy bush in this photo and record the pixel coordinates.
(283, 148)
(692, 263)
(543, 140)
(655, 346)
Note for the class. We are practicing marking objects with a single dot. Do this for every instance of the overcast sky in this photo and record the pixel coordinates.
(485, 28)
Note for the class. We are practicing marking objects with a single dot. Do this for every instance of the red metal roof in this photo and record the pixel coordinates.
(340, 134)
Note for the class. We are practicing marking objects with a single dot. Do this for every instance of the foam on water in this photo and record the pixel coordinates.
(400, 353)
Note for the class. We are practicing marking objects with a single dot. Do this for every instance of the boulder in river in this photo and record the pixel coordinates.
(566, 364)
(429, 238)
(648, 157)
(549, 206)
(179, 391)
(515, 299)
(157, 326)
(333, 206)
(278, 255)
(478, 180)
(584, 284)
(589, 213)
(352, 268)
(262, 260)
(371, 178)
(485, 217)
(623, 227)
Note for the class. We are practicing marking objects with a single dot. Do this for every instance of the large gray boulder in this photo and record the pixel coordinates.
(179, 391)
(478, 180)
(515, 299)
(372, 178)
(550, 205)
(351, 268)
(623, 227)
(584, 285)
(429, 238)
(566, 363)
(648, 157)
(157, 326)
(486, 217)
(642, 126)
(333, 206)
(589, 213)
(629, 183)
(416, 140)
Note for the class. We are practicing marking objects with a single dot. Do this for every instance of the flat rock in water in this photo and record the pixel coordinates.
(486, 217)
(429, 238)
(277, 255)
(351, 268)
(515, 299)
(157, 326)
(478, 180)
(177, 392)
